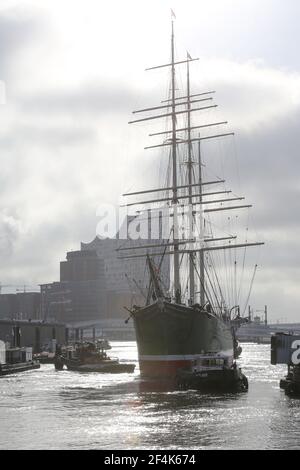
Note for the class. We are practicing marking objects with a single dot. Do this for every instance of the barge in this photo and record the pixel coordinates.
(14, 360)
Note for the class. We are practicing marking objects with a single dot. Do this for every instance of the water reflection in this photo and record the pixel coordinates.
(123, 411)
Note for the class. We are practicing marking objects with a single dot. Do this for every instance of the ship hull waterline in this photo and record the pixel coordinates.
(173, 337)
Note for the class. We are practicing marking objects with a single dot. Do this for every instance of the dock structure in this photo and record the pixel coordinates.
(35, 333)
(259, 331)
(114, 329)
(285, 349)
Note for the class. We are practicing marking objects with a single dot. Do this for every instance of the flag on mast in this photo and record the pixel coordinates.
(173, 14)
(188, 55)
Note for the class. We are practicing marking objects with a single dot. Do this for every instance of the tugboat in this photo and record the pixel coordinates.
(103, 343)
(291, 383)
(186, 333)
(45, 357)
(208, 378)
(89, 357)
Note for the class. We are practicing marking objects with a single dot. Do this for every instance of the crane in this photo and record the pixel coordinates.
(16, 286)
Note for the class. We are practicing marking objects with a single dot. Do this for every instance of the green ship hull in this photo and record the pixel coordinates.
(172, 337)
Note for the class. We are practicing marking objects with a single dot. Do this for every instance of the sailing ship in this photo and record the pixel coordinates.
(190, 336)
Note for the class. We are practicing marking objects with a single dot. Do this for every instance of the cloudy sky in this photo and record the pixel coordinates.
(73, 71)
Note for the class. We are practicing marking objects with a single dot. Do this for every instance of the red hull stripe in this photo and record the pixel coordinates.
(168, 365)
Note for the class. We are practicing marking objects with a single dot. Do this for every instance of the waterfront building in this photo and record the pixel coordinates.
(21, 306)
(81, 292)
(96, 284)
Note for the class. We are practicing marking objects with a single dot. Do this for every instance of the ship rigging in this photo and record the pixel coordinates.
(176, 331)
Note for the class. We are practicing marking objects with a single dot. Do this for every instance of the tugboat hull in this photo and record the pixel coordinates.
(291, 383)
(114, 368)
(231, 380)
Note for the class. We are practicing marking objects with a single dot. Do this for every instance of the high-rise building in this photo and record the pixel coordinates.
(96, 285)
(81, 293)
(21, 306)
(127, 279)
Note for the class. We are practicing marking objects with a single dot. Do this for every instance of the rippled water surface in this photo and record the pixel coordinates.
(48, 409)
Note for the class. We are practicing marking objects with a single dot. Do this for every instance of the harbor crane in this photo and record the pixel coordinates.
(17, 287)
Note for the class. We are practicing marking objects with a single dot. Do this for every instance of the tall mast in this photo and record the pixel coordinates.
(174, 161)
(190, 187)
(201, 254)
(171, 108)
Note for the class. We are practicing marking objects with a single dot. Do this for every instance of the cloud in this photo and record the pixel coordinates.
(51, 137)
(251, 92)
(66, 146)
(100, 98)
(10, 231)
(18, 29)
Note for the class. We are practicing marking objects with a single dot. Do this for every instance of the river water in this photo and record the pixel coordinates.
(48, 409)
